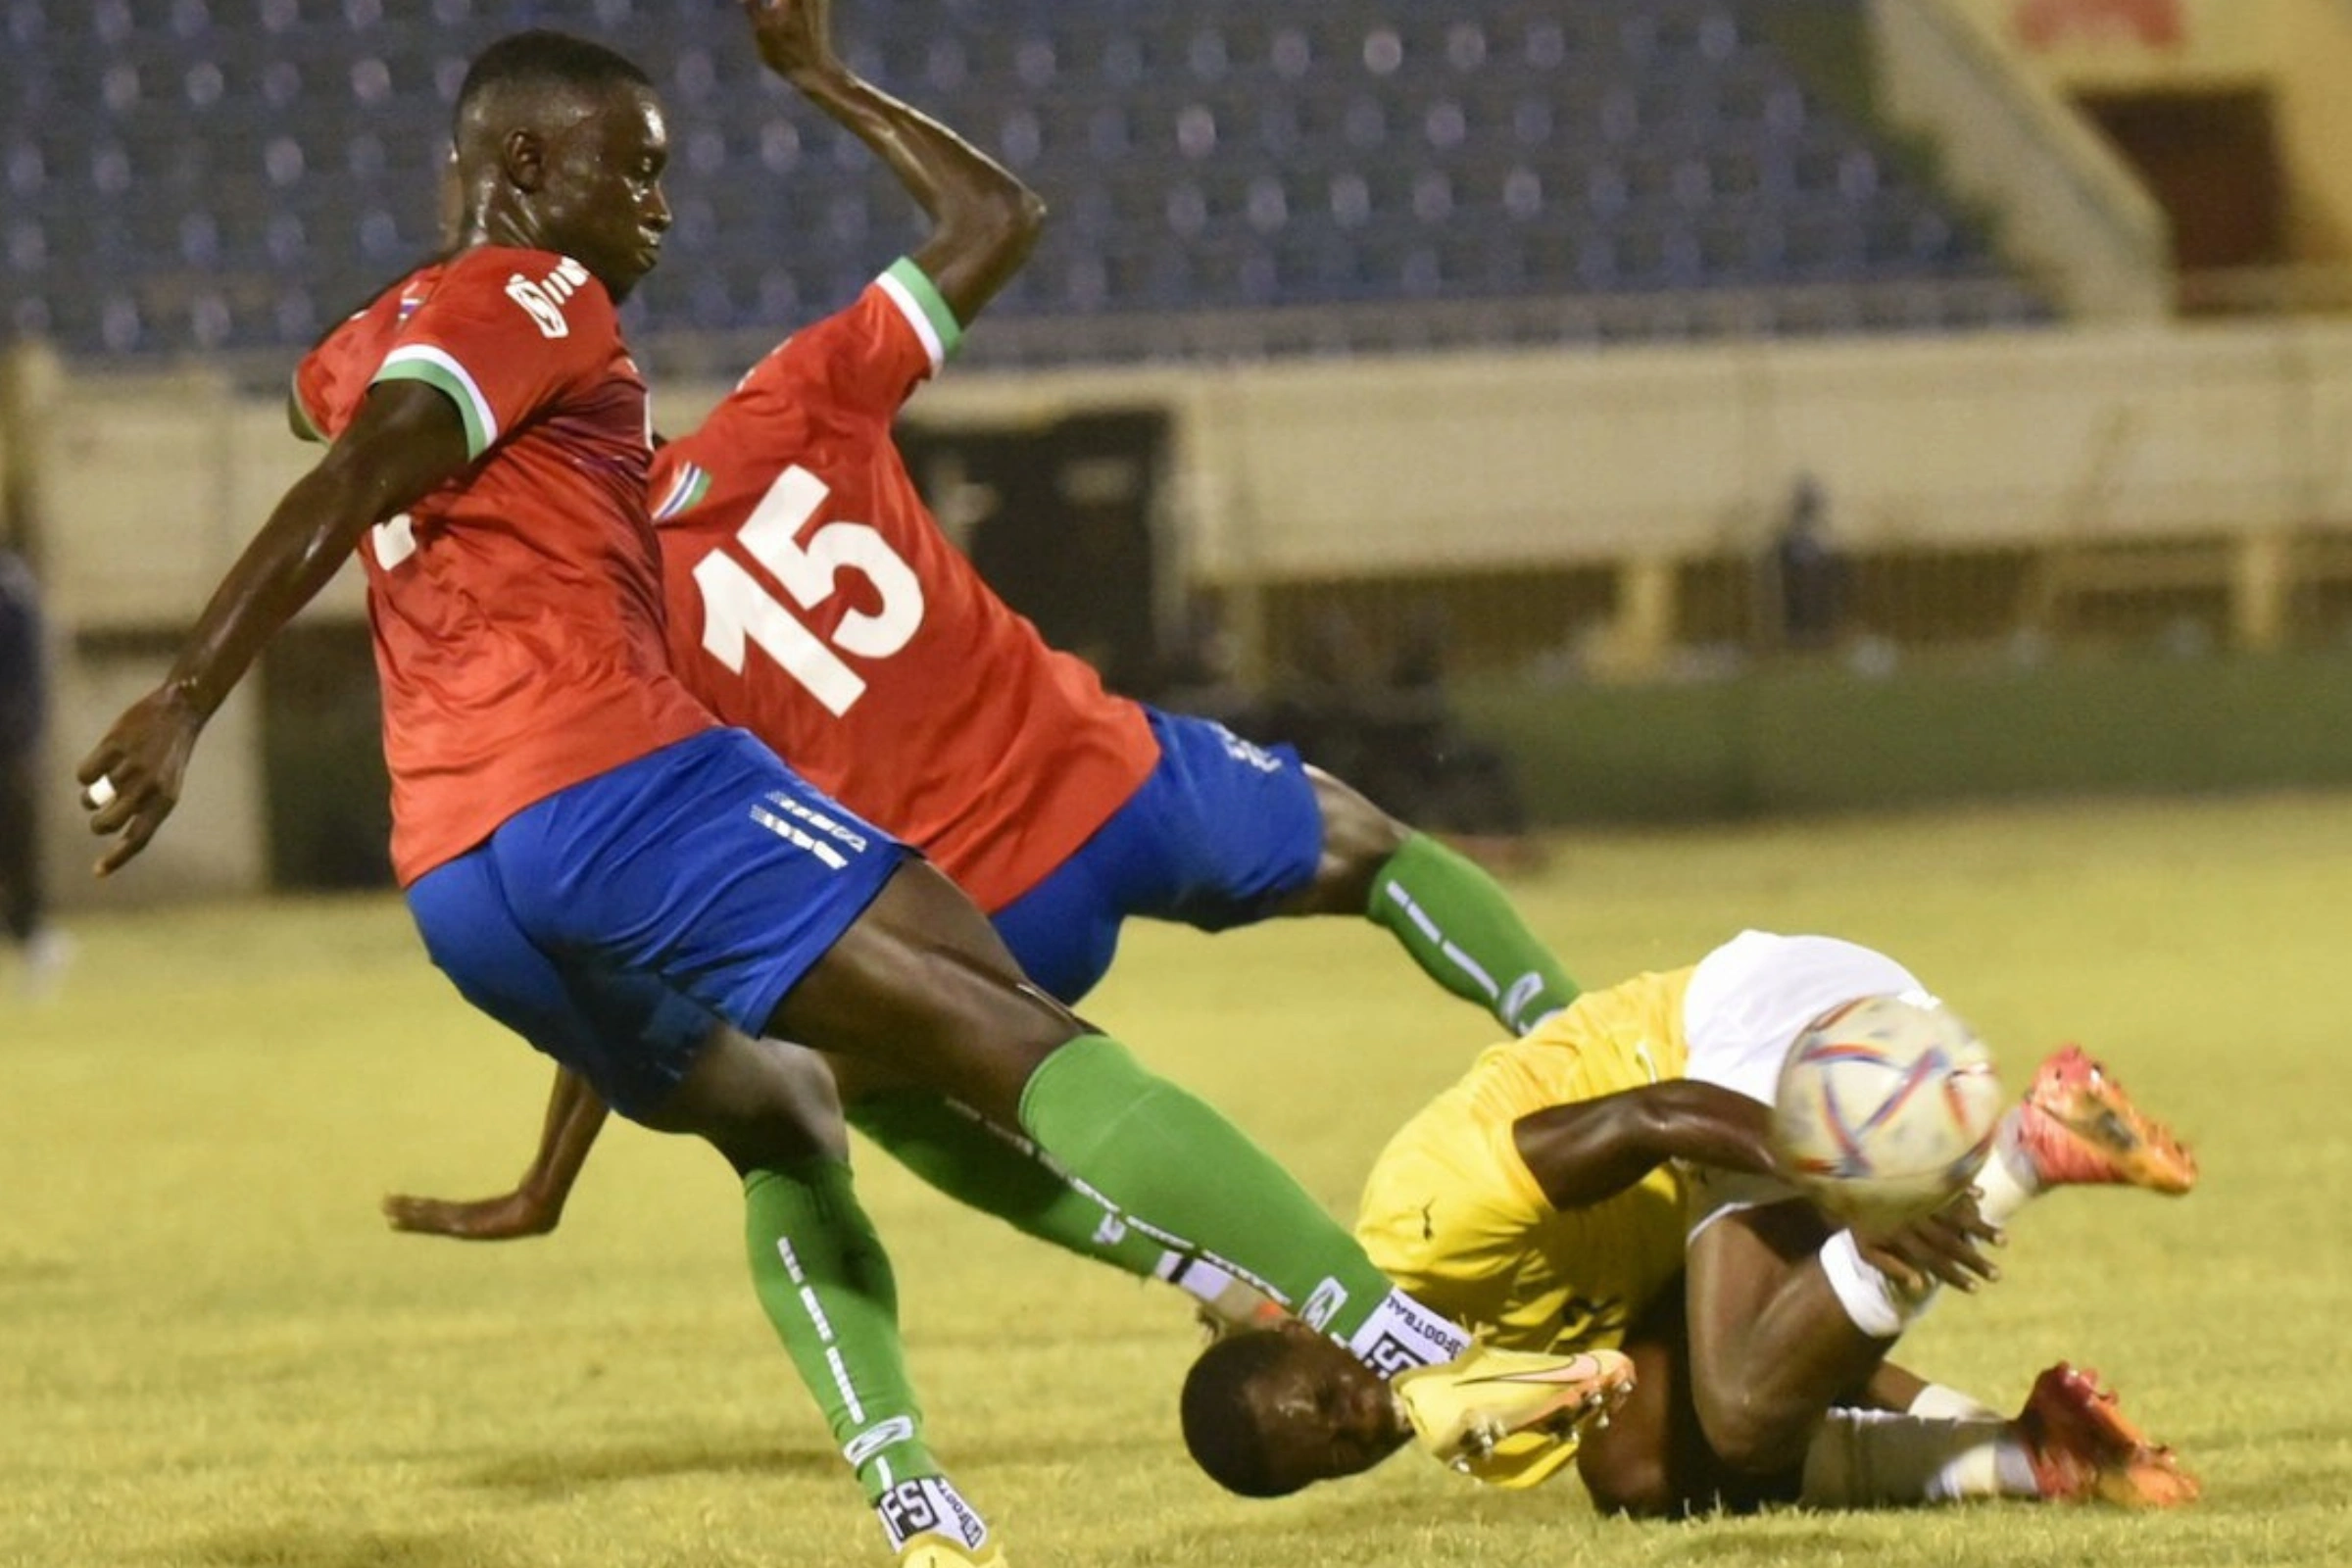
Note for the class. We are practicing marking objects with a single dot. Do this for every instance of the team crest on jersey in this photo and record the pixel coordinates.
(543, 300)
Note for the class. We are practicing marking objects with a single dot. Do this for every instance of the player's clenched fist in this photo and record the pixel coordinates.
(793, 35)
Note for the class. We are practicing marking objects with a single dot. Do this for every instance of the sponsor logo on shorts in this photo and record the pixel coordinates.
(804, 827)
(1242, 750)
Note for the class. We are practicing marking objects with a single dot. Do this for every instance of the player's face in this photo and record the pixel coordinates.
(1322, 1414)
(602, 204)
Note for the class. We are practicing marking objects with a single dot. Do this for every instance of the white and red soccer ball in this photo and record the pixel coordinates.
(1885, 1108)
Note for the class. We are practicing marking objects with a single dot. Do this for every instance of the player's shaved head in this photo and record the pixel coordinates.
(559, 146)
(537, 76)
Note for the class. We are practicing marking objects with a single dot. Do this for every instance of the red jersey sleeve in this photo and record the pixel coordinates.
(335, 374)
(502, 334)
(862, 363)
(313, 391)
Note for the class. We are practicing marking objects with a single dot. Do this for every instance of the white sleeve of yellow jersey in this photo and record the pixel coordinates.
(1751, 997)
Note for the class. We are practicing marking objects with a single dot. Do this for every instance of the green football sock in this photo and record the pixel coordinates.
(1002, 1173)
(1182, 1173)
(825, 1283)
(1460, 928)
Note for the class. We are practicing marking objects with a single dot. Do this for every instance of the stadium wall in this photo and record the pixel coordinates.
(2076, 446)
(1828, 739)
(2299, 52)
(2068, 208)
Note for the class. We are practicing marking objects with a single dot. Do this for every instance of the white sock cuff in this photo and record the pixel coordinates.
(2006, 1179)
(1401, 1334)
(1200, 1278)
(1870, 1298)
(1873, 1459)
(1950, 1405)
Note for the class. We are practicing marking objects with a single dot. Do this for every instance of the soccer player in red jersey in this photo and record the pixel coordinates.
(591, 860)
(816, 601)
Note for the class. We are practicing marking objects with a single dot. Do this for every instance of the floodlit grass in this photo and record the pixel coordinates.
(211, 1352)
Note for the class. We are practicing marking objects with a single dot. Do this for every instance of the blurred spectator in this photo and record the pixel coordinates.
(1807, 573)
(24, 716)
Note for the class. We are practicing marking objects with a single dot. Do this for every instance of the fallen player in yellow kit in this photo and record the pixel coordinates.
(1604, 1184)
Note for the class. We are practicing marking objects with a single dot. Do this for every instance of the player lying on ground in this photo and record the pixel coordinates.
(1576, 1190)
(589, 855)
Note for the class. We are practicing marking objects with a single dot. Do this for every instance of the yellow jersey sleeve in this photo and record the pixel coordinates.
(1453, 1214)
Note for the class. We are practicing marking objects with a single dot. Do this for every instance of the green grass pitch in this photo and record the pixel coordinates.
(214, 1354)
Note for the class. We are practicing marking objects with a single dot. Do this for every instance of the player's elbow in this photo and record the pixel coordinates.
(1019, 220)
(982, 241)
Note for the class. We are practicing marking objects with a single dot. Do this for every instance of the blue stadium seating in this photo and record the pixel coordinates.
(184, 174)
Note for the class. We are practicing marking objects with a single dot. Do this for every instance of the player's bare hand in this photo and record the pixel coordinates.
(1945, 1247)
(486, 1219)
(132, 780)
(793, 35)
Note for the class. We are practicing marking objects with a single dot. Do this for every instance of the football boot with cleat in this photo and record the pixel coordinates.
(1511, 1418)
(2082, 1449)
(2077, 1127)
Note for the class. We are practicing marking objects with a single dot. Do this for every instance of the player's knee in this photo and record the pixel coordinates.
(1754, 1435)
(1358, 839)
(761, 1104)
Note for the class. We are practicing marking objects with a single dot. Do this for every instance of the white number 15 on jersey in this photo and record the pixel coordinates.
(738, 611)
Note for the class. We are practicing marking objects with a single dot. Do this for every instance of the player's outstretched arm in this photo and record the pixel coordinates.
(984, 220)
(407, 439)
(574, 1116)
(1584, 1152)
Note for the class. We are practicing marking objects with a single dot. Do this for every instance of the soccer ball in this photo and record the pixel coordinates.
(1884, 1109)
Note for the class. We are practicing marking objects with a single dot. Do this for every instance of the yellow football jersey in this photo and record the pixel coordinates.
(1453, 1214)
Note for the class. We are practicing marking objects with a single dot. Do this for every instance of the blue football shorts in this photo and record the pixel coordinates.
(609, 923)
(1217, 835)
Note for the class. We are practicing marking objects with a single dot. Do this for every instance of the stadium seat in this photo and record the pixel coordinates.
(195, 173)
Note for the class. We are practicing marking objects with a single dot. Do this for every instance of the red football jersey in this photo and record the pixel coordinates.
(518, 610)
(816, 601)
(334, 375)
